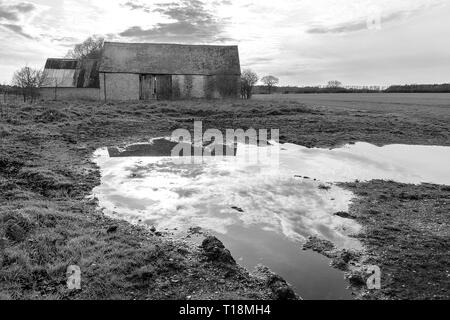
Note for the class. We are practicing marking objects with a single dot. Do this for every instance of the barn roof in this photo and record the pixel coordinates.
(53, 63)
(72, 73)
(160, 58)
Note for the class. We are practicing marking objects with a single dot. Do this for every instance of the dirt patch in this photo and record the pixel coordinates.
(407, 234)
(51, 115)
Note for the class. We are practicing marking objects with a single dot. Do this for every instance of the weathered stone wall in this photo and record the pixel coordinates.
(224, 86)
(188, 86)
(211, 87)
(125, 86)
(70, 93)
(119, 86)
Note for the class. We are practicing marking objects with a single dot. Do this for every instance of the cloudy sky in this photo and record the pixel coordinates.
(303, 42)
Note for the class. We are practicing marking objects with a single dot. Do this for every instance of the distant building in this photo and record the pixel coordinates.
(71, 79)
(146, 71)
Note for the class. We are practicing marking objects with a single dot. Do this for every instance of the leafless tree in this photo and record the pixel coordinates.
(334, 84)
(248, 80)
(270, 82)
(29, 81)
(90, 48)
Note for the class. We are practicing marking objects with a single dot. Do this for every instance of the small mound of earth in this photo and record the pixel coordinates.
(215, 251)
(280, 288)
(321, 246)
(49, 116)
(340, 259)
(16, 227)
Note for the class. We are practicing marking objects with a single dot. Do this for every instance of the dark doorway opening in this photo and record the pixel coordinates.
(147, 89)
(163, 87)
(155, 87)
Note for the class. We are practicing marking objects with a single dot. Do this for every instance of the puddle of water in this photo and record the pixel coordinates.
(364, 161)
(262, 211)
(309, 273)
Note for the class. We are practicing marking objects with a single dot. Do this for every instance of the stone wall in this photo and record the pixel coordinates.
(126, 86)
(188, 86)
(69, 93)
(210, 87)
(225, 86)
(119, 86)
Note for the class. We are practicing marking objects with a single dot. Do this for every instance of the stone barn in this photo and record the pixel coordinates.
(71, 79)
(145, 71)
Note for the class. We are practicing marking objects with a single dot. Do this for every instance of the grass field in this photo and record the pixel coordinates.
(370, 101)
(47, 223)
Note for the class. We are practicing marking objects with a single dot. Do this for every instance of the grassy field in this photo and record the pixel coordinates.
(47, 223)
(390, 102)
(376, 118)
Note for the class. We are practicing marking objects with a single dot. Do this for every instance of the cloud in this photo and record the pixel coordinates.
(64, 39)
(348, 27)
(8, 15)
(192, 22)
(222, 3)
(16, 29)
(12, 12)
(136, 6)
(375, 16)
(257, 61)
(68, 42)
(23, 7)
(358, 25)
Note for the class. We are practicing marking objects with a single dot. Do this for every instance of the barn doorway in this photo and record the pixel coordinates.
(163, 87)
(155, 87)
(147, 88)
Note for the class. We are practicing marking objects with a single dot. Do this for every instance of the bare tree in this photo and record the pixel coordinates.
(270, 82)
(29, 81)
(248, 80)
(90, 48)
(334, 84)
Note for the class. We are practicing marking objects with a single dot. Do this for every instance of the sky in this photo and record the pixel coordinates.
(302, 42)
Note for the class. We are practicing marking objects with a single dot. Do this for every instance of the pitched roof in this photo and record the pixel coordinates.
(159, 58)
(72, 73)
(53, 63)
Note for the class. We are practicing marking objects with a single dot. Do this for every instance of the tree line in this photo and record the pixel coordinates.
(337, 87)
(420, 88)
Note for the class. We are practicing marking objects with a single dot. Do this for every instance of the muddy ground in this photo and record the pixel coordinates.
(407, 234)
(47, 222)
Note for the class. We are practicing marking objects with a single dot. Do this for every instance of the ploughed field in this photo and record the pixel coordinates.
(49, 221)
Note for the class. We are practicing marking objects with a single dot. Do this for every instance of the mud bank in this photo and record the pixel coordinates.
(48, 223)
(407, 234)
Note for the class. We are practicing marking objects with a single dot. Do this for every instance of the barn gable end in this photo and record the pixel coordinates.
(71, 73)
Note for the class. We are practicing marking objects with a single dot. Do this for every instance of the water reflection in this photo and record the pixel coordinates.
(249, 202)
(173, 193)
(364, 161)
